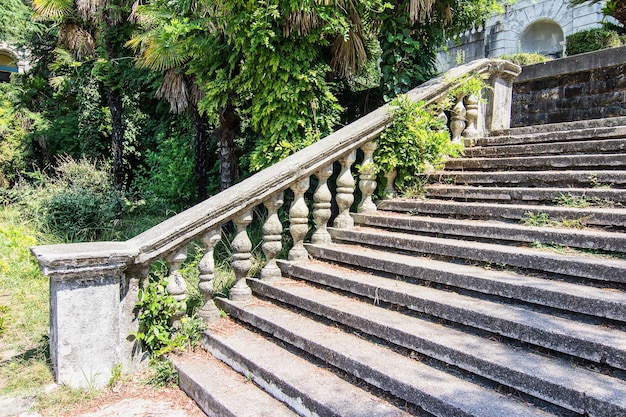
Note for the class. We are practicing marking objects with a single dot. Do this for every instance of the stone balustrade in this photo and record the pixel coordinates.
(93, 286)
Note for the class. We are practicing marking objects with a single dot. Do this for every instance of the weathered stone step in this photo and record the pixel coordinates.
(309, 389)
(590, 179)
(584, 129)
(221, 392)
(551, 380)
(434, 391)
(556, 148)
(588, 341)
(523, 194)
(550, 162)
(592, 301)
(613, 217)
(577, 238)
(596, 268)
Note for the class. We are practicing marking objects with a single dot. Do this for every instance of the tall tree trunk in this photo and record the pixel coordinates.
(229, 160)
(201, 151)
(114, 98)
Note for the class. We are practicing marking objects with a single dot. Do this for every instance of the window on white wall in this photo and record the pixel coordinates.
(544, 37)
(7, 66)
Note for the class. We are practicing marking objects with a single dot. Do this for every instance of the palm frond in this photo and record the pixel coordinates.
(87, 9)
(77, 40)
(302, 22)
(348, 54)
(53, 9)
(174, 89)
(419, 10)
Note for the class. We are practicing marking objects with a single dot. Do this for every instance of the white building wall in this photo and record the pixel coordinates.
(502, 33)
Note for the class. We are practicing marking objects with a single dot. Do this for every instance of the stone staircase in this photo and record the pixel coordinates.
(475, 301)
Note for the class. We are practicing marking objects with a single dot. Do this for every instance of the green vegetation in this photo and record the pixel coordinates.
(416, 140)
(583, 201)
(593, 40)
(525, 58)
(544, 220)
(129, 115)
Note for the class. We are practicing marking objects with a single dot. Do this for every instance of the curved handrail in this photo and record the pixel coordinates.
(72, 259)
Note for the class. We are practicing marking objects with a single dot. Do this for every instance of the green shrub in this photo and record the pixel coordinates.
(78, 203)
(415, 140)
(525, 58)
(592, 40)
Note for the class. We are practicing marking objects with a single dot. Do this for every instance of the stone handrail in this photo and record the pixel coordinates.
(93, 286)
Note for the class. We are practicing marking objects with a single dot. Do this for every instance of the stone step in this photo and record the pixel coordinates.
(592, 179)
(594, 128)
(221, 392)
(597, 302)
(524, 194)
(556, 148)
(550, 162)
(435, 391)
(578, 265)
(549, 379)
(514, 233)
(593, 342)
(308, 388)
(611, 217)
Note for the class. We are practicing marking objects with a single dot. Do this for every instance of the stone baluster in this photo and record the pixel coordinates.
(176, 286)
(272, 237)
(390, 188)
(457, 124)
(209, 311)
(321, 206)
(299, 221)
(345, 192)
(240, 248)
(471, 116)
(367, 178)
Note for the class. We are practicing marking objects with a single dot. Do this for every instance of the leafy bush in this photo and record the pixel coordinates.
(76, 204)
(592, 40)
(415, 140)
(525, 58)
(158, 308)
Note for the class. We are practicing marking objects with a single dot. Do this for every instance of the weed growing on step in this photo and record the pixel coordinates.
(583, 201)
(162, 374)
(544, 220)
(595, 183)
(414, 190)
(566, 250)
(538, 220)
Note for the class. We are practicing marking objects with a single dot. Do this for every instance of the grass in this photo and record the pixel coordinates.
(583, 201)
(544, 220)
(24, 294)
(566, 250)
(25, 370)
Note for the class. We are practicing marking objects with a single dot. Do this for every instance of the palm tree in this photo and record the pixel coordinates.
(83, 25)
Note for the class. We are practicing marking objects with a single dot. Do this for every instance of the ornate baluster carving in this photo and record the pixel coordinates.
(457, 124)
(176, 286)
(209, 311)
(367, 178)
(272, 237)
(321, 206)
(240, 248)
(345, 192)
(299, 220)
(471, 115)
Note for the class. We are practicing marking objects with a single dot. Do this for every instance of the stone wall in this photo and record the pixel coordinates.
(580, 87)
